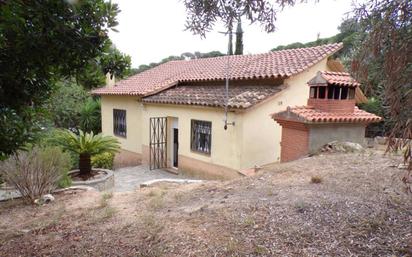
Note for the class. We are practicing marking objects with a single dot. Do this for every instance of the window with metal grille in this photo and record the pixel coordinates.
(119, 122)
(201, 138)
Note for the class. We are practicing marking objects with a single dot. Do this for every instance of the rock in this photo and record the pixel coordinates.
(402, 166)
(342, 147)
(47, 198)
(381, 140)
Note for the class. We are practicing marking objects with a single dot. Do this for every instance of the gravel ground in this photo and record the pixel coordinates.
(357, 208)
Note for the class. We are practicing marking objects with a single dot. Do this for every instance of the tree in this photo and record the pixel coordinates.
(230, 41)
(110, 61)
(388, 45)
(239, 38)
(90, 116)
(42, 42)
(183, 56)
(86, 145)
(65, 104)
(202, 15)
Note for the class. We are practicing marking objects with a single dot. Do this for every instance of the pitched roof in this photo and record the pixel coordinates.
(335, 78)
(282, 63)
(240, 96)
(310, 115)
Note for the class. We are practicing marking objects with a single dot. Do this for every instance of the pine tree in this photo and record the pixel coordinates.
(239, 38)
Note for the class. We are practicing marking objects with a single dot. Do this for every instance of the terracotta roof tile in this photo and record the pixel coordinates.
(282, 63)
(311, 115)
(240, 96)
(338, 78)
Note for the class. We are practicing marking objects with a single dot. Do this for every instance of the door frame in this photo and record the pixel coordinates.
(175, 153)
(157, 143)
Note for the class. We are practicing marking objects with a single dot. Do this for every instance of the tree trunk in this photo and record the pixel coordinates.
(85, 164)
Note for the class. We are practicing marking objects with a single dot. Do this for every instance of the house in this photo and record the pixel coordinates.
(172, 116)
(330, 115)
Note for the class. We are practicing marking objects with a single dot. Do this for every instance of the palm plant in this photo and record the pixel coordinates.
(87, 145)
(90, 116)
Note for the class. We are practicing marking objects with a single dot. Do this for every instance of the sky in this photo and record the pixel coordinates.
(150, 30)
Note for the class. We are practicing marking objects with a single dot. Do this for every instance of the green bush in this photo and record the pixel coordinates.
(35, 172)
(104, 161)
(65, 180)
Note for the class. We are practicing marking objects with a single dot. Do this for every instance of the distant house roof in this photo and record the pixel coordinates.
(334, 78)
(309, 114)
(240, 96)
(282, 63)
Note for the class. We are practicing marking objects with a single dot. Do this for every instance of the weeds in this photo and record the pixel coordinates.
(316, 179)
(301, 207)
(156, 199)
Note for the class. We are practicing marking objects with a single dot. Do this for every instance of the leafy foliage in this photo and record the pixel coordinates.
(87, 142)
(71, 106)
(66, 103)
(35, 172)
(86, 145)
(90, 119)
(202, 15)
(388, 46)
(183, 56)
(42, 42)
(17, 129)
(349, 32)
(103, 160)
(110, 61)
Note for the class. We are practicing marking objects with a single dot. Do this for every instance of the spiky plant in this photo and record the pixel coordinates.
(86, 145)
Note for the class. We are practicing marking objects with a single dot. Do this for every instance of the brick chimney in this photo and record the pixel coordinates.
(332, 92)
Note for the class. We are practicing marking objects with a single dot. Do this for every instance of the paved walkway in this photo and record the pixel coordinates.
(130, 178)
(125, 179)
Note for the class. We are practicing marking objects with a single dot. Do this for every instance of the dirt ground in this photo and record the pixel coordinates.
(357, 208)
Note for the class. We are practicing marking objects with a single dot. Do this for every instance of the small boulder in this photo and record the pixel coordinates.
(47, 198)
(342, 147)
(381, 140)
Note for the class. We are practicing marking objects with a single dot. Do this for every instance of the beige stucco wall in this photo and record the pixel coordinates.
(261, 135)
(224, 149)
(133, 140)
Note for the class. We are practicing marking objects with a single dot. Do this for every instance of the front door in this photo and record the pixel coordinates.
(158, 143)
(175, 147)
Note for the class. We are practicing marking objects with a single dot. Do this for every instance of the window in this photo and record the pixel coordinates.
(344, 93)
(119, 122)
(201, 136)
(322, 92)
(313, 92)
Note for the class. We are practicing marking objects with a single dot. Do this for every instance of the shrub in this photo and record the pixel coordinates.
(65, 180)
(35, 172)
(316, 180)
(86, 145)
(103, 160)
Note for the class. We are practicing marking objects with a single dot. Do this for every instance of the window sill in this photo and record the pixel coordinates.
(200, 153)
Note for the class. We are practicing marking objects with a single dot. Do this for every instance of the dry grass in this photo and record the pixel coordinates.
(359, 209)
